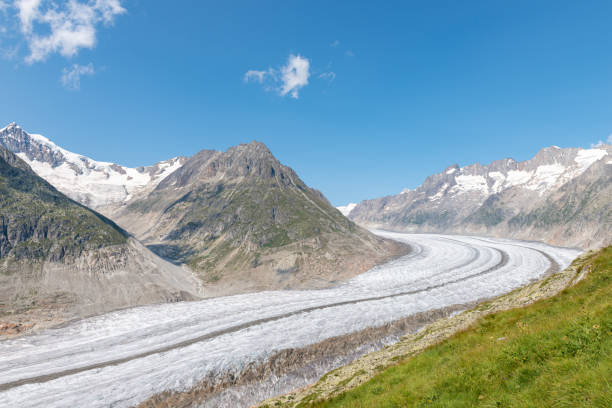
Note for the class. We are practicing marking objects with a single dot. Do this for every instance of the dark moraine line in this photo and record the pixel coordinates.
(554, 265)
(208, 336)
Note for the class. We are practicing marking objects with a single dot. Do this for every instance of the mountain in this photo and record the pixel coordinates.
(560, 196)
(244, 221)
(56, 254)
(240, 219)
(92, 183)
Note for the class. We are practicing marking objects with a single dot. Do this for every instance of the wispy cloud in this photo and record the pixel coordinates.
(71, 77)
(349, 53)
(286, 80)
(335, 43)
(257, 76)
(601, 142)
(328, 76)
(70, 25)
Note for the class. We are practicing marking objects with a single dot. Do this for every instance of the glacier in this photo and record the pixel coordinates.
(122, 358)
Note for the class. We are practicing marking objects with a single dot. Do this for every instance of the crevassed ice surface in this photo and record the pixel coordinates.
(236, 330)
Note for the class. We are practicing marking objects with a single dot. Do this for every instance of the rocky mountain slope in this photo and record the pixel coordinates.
(244, 221)
(58, 255)
(561, 196)
(92, 183)
(239, 218)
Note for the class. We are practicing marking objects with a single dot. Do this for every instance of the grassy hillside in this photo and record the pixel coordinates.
(554, 353)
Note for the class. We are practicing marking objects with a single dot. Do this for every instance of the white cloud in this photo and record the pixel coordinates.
(287, 80)
(71, 78)
(601, 143)
(109, 9)
(71, 25)
(28, 9)
(329, 76)
(295, 75)
(253, 75)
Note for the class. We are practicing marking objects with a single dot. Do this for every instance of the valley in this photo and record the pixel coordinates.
(305, 204)
(222, 279)
(178, 347)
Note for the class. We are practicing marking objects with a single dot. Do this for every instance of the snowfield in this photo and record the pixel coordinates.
(122, 358)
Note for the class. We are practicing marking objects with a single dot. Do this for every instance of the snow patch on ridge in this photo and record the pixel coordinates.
(440, 193)
(585, 158)
(499, 179)
(471, 183)
(545, 176)
(90, 182)
(346, 209)
(516, 177)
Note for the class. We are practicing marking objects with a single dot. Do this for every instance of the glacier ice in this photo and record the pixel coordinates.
(221, 335)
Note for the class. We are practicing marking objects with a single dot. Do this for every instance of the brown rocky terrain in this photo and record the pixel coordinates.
(60, 260)
(244, 222)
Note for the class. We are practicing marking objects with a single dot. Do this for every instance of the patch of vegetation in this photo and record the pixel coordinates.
(488, 214)
(279, 239)
(428, 217)
(554, 353)
(255, 214)
(574, 204)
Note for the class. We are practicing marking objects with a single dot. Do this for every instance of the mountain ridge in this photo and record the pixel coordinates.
(506, 198)
(242, 212)
(60, 260)
(93, 183)
(240, 219)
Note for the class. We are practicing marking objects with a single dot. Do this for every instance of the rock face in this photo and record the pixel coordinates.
(246, 222)
(561, 196)
(58, 254)
(92, 183)
(40, 223)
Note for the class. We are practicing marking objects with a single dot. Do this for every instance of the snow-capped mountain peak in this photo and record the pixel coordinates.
(534, 199)
(93, 183)
(548, 170)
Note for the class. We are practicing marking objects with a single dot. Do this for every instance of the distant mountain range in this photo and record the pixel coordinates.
(90, 182)
(560, 196)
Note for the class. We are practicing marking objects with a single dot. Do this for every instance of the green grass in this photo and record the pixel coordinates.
(554, 353)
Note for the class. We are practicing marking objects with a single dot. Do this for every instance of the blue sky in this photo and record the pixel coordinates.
(362, 99)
